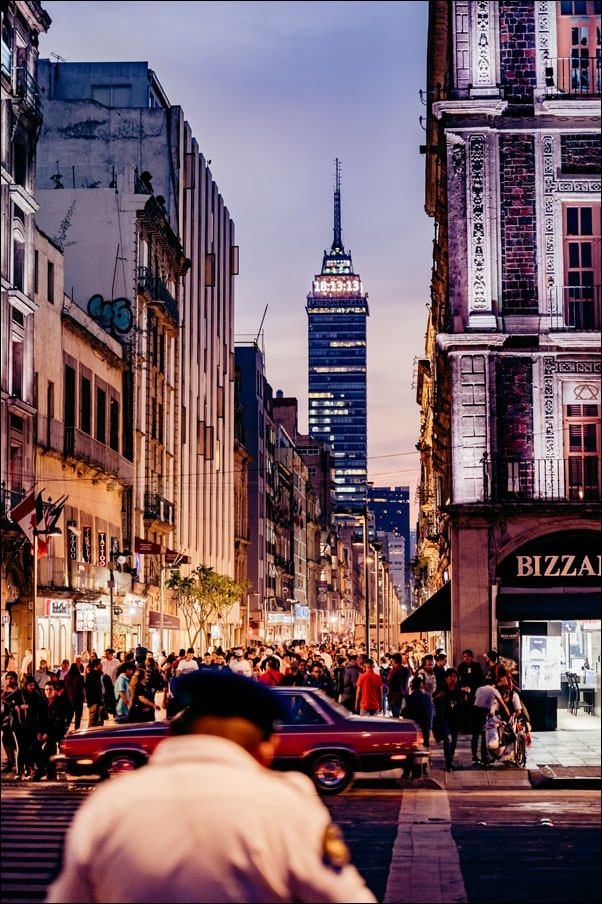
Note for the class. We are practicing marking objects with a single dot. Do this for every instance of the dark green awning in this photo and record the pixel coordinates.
(433, 615)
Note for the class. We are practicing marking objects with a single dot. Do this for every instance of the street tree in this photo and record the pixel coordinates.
(204, 596)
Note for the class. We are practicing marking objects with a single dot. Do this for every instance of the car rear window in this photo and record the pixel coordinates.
(300, 711)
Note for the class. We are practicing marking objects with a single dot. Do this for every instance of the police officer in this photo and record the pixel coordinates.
(203, 788)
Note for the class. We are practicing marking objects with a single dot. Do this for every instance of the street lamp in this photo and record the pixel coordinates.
(292, 604)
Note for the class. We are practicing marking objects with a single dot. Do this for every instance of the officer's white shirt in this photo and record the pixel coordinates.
(204, 822)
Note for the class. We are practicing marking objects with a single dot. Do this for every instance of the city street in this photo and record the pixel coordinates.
(528, 846)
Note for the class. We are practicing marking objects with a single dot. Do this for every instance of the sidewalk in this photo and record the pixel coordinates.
(568, 757)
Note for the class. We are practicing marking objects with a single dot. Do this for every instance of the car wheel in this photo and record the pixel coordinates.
(119, 763)
(331, 772)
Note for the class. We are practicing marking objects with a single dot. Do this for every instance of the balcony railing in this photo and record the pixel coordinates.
(29, 91)
(157, 292)
(575, 308)
(579, 76)
(80, 446)
(575, 479)
(156, 508)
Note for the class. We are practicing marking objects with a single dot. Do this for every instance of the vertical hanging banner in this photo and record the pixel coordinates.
(102, 549)
(72, 540)
(87, 545)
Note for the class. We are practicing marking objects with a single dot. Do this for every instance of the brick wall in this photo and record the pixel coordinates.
(580, 154)
(517, 215)
(518, 56)
(514, 404)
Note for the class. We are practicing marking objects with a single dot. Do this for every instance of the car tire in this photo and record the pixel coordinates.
(118, 763)
(331, 772)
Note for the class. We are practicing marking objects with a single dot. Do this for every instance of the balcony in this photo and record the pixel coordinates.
(80, 446)
(575, 308)
(156, 508)
(576, 76)
(28, 90)
(575, 480)
(157, 293)
(286, 565)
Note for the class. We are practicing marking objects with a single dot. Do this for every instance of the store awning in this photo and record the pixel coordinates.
(434, 615)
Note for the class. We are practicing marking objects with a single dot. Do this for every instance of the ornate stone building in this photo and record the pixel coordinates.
(508, 550)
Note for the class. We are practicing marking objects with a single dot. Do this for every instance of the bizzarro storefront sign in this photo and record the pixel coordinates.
(565, 559)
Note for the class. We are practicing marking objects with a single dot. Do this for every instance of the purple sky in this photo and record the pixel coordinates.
(274, 92)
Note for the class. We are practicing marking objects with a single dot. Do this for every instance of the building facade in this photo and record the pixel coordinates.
(149, 252)
(508, 550)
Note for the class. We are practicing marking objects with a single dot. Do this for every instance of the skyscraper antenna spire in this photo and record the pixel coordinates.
(337, 243)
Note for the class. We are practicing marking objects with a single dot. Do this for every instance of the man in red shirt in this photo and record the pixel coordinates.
(369, 691)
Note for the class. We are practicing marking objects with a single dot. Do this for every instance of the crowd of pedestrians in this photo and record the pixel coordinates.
(39, 707)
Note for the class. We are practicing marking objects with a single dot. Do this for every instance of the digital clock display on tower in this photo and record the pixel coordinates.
(337, 285)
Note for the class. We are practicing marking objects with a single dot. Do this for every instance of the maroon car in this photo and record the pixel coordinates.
(318, 737)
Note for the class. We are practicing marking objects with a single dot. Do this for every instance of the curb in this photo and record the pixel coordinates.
(545, 778)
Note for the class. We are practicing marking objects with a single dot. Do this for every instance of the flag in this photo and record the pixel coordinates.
(52, 513)
(28, 513)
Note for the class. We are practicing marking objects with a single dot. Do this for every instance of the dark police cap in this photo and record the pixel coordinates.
(225, 694)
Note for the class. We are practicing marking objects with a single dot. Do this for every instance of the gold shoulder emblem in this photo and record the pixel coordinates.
(335, 852)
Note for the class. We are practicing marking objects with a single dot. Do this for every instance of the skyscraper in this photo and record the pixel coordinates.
(337, 308)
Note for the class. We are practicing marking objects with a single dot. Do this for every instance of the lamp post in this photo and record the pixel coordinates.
(364, 516)
(111, 586)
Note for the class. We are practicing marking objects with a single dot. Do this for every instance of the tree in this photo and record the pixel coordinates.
(204, 596)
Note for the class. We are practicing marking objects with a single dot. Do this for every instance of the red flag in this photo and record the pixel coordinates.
(28, 513)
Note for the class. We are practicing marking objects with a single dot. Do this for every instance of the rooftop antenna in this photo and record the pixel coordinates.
(337, 244)
(260, 325)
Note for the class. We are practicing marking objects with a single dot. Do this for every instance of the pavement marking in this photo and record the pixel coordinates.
(425, 864)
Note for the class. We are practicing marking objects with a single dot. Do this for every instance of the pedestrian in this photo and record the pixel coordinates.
(61, 672)
(239, 664)
(419, 707)
(29, 721)
(271, 674)
(142, 703)
(398, 684)
(440, 669)
(385, 668)
(427, 673)
(123, 691)
(352, 673)
(496, 672)
(74, 682)
(448, 708)
(369, 691)
(470, 677)
(9, 743)
(110, 664)
(207, 664)
(188, 663)
(215, 760)
(338, 674)
(294, 677)
(487, 702)
(58, 719)
(94, 692)
(321, 680)
(26, 664)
